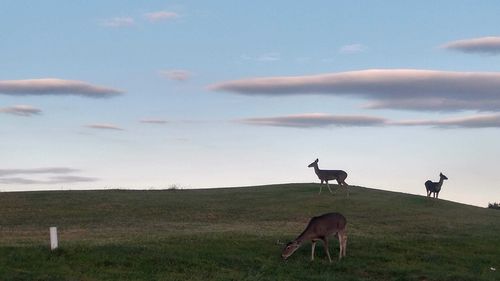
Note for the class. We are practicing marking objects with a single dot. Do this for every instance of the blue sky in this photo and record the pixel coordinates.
(134, 94)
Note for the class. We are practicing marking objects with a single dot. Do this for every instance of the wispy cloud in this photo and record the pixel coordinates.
(161, 16)
(56, 175)
(386, 88)
(51, 180)
(176, 74)
(21, 110)
(437, 104)
(314, 120)
(265, 57)
(352, 49)
(474, 121)
(54, 86)
(72, 179)
(322, 120)
(104, 126)
(49, 170)
(118, 22)
(154, 121)
(484, 45)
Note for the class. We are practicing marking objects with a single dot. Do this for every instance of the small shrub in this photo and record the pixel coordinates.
(494, 206)
(174, 187)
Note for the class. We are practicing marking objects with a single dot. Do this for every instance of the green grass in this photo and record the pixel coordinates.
(231, 234)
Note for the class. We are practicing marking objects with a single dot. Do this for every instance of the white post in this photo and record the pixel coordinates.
(53, 238)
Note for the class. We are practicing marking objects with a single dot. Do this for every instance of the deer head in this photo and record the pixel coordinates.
(289, 249)
(315, 163)
(443, 176)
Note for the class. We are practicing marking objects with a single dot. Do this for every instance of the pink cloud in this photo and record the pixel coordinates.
(54, 86)
(176, 74)
(118, 22)
(21, 110)
(312, 120)
(473, 121)
(154, 121)
(161, 16)
(387, 88)
(484, 45)
(104, 126)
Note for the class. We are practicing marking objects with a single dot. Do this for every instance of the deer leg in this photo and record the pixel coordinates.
(343, 243)
(312, 250)
(327, 185)
(341, 246)
(325, 242)
(341, 183)
(344, 248)
(320, 187)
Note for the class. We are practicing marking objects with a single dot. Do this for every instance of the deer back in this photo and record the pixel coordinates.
(322, 226)
(331, 174)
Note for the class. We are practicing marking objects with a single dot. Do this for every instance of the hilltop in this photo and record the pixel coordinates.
(231, 234)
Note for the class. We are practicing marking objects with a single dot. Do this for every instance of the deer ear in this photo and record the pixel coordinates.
(316, 160)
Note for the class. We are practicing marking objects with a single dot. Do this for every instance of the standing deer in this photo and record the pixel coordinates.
(435, 187)
(319, 228)
(326, 175)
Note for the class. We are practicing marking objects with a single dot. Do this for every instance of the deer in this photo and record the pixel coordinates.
(326, 175)
(435, 187)
(319, 228)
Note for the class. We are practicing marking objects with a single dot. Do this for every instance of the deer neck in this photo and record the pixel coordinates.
(305, 235)
(440, 183)
(317, 170)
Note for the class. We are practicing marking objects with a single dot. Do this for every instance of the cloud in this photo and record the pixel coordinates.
(436, 104)
(176, 74)
(72, 179)
(49, 170)
(21, 110)
(51, 180)
(161, 16)
(57, 175)
(352, 49)
(475, 121)
(410, 89)
(103, 126)
(153, 121)
(322, 120)
(266, 57)
(54, 86)
(118, 22)
(484, 45)
(314, 120)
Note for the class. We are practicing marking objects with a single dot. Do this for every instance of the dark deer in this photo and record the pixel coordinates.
(326, 175)
(319, 228)
(435, 187)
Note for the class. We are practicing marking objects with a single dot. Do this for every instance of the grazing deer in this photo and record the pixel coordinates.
(319, 228)
(435, 187)
(326, 175)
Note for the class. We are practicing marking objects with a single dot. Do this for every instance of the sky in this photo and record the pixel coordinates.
(201, 94)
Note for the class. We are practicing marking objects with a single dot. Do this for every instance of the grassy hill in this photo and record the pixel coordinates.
(231, 234)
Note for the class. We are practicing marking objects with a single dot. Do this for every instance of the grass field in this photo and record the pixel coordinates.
(231, 234)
